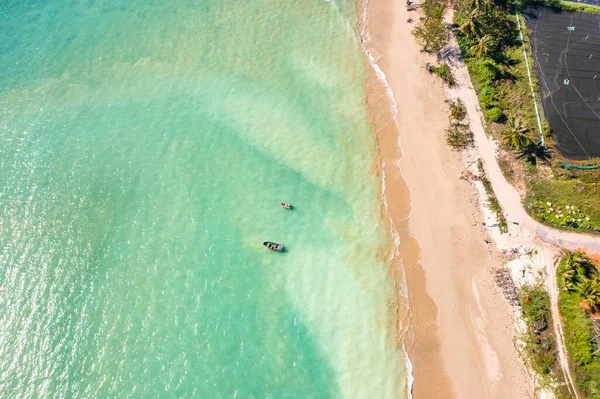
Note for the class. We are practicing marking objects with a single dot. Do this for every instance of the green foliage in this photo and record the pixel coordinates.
(515, 135)
(493, 114)
(487, 97)
(443, 71)
(577, 326)
(486, 71)
(483, 46)
(539, 339)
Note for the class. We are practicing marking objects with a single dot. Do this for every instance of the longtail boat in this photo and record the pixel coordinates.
(273, 246)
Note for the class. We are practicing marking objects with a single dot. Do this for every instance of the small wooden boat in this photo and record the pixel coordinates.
(273, 246)
(286, 205)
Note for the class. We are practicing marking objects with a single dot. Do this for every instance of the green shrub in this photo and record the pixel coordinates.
(486, 71)
(487, 97)
(458, 110)
(443, 71)
(493, 114)
(459, 138)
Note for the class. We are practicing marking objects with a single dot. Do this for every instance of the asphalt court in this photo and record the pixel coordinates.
(566, 52)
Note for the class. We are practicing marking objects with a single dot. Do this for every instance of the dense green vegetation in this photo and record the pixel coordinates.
(540, 343)
(488, 36)
(493, 203)
(579, 284)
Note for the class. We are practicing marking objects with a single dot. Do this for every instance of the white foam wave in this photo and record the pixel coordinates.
(366, 42)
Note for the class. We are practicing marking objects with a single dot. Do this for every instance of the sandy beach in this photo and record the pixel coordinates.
(461, 330)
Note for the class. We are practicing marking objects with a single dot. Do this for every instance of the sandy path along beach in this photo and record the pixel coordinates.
(460, 339)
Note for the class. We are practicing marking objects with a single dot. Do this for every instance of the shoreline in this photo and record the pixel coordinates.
(455, 331)
(417, 329)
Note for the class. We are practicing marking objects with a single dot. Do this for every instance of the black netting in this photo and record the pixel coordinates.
(566, 51)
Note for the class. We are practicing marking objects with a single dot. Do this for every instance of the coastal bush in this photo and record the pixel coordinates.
(431, 31)
(442, 71)
(459, 138)
(540, 343)
(487, 97)
(431, 34)
(458, 110)
(493, 114)
(574, 271)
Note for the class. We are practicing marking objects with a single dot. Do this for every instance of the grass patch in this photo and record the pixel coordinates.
(561, 191)
(493, 203)
(443, 72)
(567, 6)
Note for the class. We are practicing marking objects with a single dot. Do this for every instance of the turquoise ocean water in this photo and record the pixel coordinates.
(145, 146)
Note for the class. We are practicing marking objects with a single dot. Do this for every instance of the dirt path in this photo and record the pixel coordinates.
(522, 228)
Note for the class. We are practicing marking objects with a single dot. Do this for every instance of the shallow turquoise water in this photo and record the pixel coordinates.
(144, 149)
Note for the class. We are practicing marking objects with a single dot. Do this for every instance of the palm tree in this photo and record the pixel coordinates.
(483, 46)
(568, 276)
(514, 136)
(468, 25)
(590, 292)
(576, 266)
(535, 150)
(479, 5)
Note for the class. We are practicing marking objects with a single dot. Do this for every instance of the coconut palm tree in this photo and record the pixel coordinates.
(468, 25)
(479, 5)
(483, 46)
(514, 136)
(590, 292)
(568, 276)
(575, 267)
